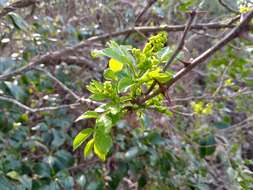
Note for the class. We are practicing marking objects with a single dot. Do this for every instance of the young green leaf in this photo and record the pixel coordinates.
(164, 54)
(115, 51)
(95, 87)
(105, 121)
(164, 110)
(162, 77)
(110, 75)
(99, 153)
(207, 145)
(88, 148)
(87, 115)
(96, 53)
(124, 84)
(81, 137)
(98, 97)
(13, 175)
(102, 143)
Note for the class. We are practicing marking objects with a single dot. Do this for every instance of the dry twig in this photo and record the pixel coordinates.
(17, 5)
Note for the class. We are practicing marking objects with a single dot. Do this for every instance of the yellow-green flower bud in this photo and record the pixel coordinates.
(155, 43)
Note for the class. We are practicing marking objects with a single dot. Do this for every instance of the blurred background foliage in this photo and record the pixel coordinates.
(206, 144)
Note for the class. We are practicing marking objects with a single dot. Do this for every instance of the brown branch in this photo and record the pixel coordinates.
(85, 164)
(63, 86)
(34, 110)
(52, 57)
(204, 56)
(182, 41)
(78, 60)
(150, 3)
(17, 5)
(16, 102)
(226, 6)
(86, 101)
(80, 100)
(238, 126)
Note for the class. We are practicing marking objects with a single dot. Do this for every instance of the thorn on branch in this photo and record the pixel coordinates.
(233, 34)
(164, 90)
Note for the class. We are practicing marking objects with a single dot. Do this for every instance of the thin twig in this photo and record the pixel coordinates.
(34, 110)
(226, 6)
(82, 101)
(222, 78)
(16, 102)
(150, 3)
(182, 41)
(17, 5)
(52, 57)
(63, 86)
(86, 164)
(239, 125)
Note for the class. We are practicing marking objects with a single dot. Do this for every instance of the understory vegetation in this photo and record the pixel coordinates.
(126, 95)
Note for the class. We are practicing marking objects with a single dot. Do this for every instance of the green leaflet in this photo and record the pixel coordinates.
(88, 148)
(157, 75)
(110, 75)
(87, 115)
(124, 84)
(207, 146)
(81, 137)
(115, 51)
(102, 143)
(164, 54)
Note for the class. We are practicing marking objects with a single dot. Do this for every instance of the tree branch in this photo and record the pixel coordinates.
(17, 5)
(85, 164)
(16, 102)
(34, 110)
(52, 57)
(63, 86)
(50, 108)
(78, 60)
(150, 3)
(204, 56)
(182, 41)
(226, 6)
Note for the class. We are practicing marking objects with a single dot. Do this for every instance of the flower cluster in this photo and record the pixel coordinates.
(155, 44)
(147, 58)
